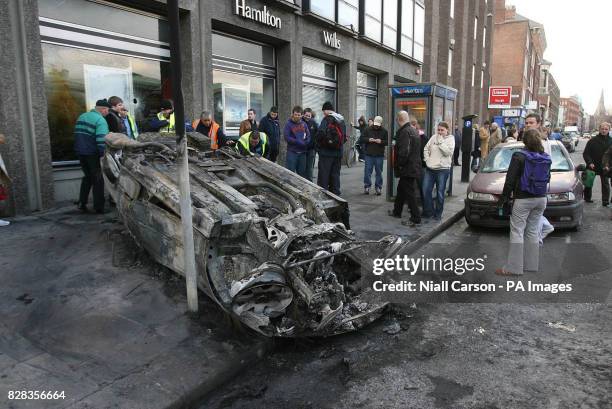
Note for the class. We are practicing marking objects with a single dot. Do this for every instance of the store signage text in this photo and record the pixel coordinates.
(413, 90)
(331, 39)
(500, 97)
(261, 16)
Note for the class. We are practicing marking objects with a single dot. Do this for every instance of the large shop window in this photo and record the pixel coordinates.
(343, 12)
(319, 79)
(412, 37)
(244, 76)
(92, 51)
(367, 93)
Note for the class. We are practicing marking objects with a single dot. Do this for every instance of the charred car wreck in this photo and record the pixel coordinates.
(270, 248)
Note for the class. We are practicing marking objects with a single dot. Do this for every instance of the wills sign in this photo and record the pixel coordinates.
(331, 39)
(262, 16)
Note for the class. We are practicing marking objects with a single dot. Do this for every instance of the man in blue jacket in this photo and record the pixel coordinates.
(89, 133)
(270, 126)
(297, 136)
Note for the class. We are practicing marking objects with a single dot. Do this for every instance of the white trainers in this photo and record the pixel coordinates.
(4, 223)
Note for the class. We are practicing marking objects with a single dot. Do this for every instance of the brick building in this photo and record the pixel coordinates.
(572, 111)
(518, 49)
(458, 42)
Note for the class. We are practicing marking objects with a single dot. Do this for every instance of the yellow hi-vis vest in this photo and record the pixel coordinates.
(133, 125)
(170, 128)
(244, 142)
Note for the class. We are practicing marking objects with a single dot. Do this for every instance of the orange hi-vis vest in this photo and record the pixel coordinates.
(212, 133)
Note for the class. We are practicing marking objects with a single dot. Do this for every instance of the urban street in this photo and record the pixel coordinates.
(449, 355)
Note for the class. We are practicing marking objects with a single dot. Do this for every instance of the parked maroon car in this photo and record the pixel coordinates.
(565, 202)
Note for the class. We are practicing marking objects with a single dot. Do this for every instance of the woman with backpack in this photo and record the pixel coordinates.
(527, 181)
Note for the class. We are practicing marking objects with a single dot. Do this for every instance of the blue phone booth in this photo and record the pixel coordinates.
(429, 103)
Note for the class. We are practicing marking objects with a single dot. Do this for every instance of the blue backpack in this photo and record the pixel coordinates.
(536, 174)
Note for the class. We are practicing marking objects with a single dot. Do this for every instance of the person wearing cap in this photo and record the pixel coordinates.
(330, 140)
(374, 139)
(131, 130)
(330, 155)
(89, 132)
(113, 119)
(271, 127)
(297, 136)
(164, 122)
(248, 124)
(252, 143)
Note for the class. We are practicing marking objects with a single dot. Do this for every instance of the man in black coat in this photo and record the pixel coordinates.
(593, 155)
(270, 126)
(408, 167)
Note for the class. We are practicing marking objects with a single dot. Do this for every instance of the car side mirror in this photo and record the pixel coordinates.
(581, 168)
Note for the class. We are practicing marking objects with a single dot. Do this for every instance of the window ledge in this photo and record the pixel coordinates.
(287, 5)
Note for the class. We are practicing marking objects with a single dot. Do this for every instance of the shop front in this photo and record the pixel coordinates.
(121, 52)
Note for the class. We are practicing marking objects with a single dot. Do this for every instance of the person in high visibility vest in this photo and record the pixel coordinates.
(252, 143)
(164, 122)
(131, 130)
(207, 126)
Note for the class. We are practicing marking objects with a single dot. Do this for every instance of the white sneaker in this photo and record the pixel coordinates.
(546, 230)
(4, 223)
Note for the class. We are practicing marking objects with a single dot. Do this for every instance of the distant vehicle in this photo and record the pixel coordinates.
(565, 204)
(568, 141)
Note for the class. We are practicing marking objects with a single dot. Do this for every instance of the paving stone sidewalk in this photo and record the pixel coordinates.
(85, 312)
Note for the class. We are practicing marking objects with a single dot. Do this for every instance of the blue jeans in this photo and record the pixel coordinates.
(373, 163)
(438, 177)
(311, 155)
(296, 162)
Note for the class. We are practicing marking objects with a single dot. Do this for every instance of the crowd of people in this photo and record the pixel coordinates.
(423, 163)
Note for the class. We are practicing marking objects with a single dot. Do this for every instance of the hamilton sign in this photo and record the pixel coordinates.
(261, 16)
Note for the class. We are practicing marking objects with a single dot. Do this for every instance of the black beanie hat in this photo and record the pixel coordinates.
(103, 103)
(327, 106)
(166, 104)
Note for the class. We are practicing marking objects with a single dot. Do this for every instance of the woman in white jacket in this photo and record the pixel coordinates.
(438, 156)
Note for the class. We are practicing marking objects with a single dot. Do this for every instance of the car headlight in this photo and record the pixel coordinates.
(482, 197)
(561, 197)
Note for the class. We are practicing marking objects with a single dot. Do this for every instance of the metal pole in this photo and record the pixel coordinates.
(182, 159)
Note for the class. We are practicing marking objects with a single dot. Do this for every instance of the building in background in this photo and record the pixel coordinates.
(518, 49)
(549, 95)
(602, 114)
(458, 44)
(239, 54)
(572, 111)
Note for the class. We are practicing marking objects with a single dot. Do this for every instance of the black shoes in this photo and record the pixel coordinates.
(378, 191)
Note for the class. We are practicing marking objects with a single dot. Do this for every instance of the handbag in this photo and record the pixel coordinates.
(588, 178)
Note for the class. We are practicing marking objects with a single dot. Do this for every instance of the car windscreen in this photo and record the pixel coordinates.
(499, 160)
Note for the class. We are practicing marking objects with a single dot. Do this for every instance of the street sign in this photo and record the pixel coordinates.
(500, 97)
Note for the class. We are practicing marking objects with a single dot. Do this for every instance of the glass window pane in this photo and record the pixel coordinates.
(314, 97)
(406, 46)
(373, 8)
(324, 8)
(75, 79)
(372, 28)
(419, 24)
(318, 68)
(418, 52)
(235, 94)
(230, 47)
(390, 13)
(365, 105)
(362, 79)
(100, 16)
(348, 13)
(390, 37)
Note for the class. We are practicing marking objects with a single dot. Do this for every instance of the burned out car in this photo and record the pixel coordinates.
(270, 248)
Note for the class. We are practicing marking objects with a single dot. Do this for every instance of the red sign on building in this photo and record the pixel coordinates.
(500, 97)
